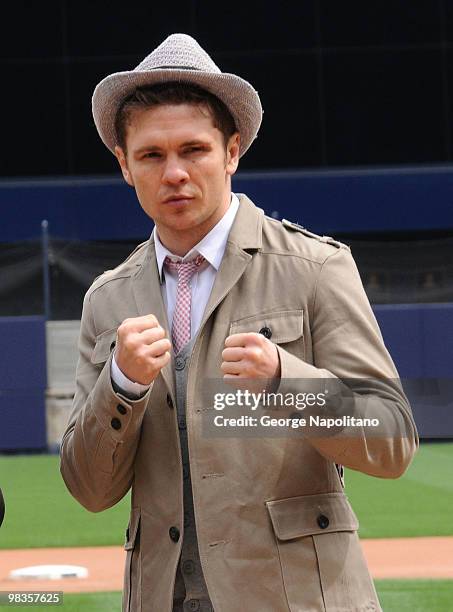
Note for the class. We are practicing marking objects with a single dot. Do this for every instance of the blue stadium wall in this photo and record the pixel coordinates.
(328, 202)
(23, 380)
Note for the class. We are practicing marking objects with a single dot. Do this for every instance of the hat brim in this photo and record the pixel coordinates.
(237, 94)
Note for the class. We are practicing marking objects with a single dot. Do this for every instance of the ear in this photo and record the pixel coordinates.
(232, 153)
(121, 157)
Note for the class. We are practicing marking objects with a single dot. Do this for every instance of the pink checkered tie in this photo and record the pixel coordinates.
(180, 330)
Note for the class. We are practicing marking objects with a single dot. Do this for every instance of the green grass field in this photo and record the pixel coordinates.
(395, 596)
(40, 512)
(418, 504)
(414, 595)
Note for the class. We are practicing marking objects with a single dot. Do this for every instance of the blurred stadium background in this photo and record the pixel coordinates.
(357, 140)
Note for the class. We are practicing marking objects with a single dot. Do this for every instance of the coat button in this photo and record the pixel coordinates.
(323, 521)
(182, 422)
(180, 363)
(266, 332)
(169, 401)
(194, 605)
(174, 533)
(185, 471)
(188, 567)
(121, 409)
(115, 423)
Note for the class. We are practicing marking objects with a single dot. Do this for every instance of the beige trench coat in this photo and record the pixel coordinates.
(258, 501)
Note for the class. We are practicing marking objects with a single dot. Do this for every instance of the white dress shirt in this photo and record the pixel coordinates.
(212, 247)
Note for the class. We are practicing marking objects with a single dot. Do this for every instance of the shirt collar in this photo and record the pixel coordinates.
(212, 246)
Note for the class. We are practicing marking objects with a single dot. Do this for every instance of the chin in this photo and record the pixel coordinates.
(183, 223)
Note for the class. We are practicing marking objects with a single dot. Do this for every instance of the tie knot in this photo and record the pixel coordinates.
(185, 269)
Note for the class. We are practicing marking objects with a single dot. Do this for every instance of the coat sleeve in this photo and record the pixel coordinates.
(99, 445)
(351, 361)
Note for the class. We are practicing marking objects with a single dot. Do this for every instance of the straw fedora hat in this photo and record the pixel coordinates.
(178, 58)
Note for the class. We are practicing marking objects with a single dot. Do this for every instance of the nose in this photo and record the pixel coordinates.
(174, 172)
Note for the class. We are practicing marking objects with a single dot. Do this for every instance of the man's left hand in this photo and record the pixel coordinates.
(250, 355)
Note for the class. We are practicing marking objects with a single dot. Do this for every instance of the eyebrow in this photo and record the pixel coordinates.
(188, 143)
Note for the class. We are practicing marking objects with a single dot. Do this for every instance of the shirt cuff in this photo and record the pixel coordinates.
(126, 385)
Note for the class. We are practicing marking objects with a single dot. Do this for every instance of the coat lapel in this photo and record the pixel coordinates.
(148, 298)
(245, 234)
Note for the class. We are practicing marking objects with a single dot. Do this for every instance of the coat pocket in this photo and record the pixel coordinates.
(132, 570)
(105, 343)
(283, 327)
(322, 563)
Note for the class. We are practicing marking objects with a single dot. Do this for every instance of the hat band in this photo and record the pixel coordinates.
(176, 68)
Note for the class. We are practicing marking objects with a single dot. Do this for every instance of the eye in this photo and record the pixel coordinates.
(152, 155)
(194, 149)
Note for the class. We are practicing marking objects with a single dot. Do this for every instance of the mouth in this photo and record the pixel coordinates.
(178, 200)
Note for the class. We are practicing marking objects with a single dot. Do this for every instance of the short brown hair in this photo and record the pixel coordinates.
(173, 93)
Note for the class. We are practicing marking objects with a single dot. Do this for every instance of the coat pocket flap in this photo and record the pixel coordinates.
(306, 515)
(105, 343)
(284, 326)
(132, 529)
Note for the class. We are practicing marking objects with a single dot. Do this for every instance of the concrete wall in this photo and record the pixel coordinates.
(62, 354)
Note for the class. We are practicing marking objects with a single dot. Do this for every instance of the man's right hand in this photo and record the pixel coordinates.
(142, 349)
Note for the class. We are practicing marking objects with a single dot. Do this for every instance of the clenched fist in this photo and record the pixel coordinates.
(142, 349)
(250, 355)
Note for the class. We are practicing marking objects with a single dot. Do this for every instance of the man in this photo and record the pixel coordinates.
(222, 292)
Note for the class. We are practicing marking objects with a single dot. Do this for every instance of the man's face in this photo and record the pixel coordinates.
(181, 170)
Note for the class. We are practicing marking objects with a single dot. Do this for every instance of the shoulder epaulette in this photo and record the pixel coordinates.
(139, 246)
(327, 239)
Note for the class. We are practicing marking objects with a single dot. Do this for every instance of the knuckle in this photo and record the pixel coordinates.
(130, 343)
(258, 353)
(166, 344)
(122, 328)
(127, 343)
(142, 352)
(155, 349)
(253, 353)
(126, 323)
(159, 333)
(258, 339)
(141, 357)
